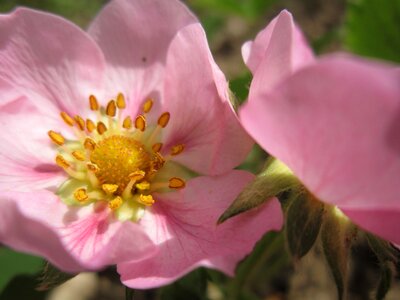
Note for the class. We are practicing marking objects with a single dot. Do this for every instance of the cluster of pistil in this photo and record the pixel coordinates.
(115, 160)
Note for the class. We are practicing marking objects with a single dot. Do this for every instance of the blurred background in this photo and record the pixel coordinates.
(366, 27)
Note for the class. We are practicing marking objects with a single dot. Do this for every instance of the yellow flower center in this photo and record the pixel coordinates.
(114, 160)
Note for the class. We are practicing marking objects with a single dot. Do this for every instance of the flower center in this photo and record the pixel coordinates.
(115, 163)
(119, 156)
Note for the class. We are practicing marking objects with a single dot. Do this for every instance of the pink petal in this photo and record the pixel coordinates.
(135, 36)
(183, 225)
(202, 118)
(49, 59)
(277, 52)
(27, 156)
(72, 239)
(12, 100)
(337, 126)
(383, 222)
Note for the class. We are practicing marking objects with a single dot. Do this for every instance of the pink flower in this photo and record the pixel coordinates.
(137, 181)
(335, 123)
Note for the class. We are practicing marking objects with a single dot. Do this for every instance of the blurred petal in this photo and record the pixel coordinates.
(71, 238)
(336, 124)
(183, 225)
(49, 59)
(278, 51)
(134, 37)
(202, 118)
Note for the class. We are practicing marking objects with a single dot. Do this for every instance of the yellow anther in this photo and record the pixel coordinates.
(90, 126)
(92, 167)
(89, 144)
(61, 162)
(140, 122)
(57, 138)
(80, 122)
(164, 119)
(137, 175)
(67, 119)
(157, 147)
(115, 203)
(109, 188)
(177, 149)
(94, 104)
(101, 128)
(146, 200)
(79, 155)
(147, 105)
(81, 195)
(121, 101)
(143, 186)
(127, 124)
(111, 109)
(176, 183)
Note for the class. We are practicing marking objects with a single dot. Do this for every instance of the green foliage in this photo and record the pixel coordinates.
(193, 286)
(303, 221)
(13, 263)
(373, 28)
(80, 12)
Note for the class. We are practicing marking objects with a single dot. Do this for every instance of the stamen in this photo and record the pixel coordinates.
(115, 203)
(109, 188)
(146, 200)
(67, 119)
(111, 109)
(57, 138)
(80, 123)
(101, 128)
(94, 104)
(177, 149)
(147, 106)
(90, 126)
(164, 119)
(176, 183)
(89, 144)
(81, 195)
(121, 101)
(137, 175)
(157, 147)
(140, 123)
(79, 155)
(92, 167)
(127, 124)
(62, 162)
(143, 186)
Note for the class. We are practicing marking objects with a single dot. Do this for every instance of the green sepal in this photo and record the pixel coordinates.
(337, 235)
(385, 282)
(275, 179)
(52, 277)
(303, 222)
(388, 258)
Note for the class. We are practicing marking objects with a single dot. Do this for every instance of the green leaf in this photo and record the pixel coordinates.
(303, 223)
(52, 277)
(193, 286)
(275, 179)
(373, 28)
(14, 263)
(337, 234)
